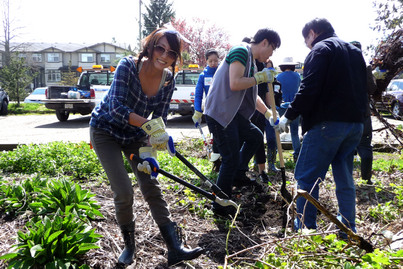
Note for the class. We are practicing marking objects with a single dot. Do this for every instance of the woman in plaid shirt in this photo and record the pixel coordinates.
(120, 124)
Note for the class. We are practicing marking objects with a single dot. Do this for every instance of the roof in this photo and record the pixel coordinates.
(64, 47)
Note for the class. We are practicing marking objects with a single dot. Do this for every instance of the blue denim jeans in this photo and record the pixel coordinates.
(294, 125)
(328, 143)
(237, 143)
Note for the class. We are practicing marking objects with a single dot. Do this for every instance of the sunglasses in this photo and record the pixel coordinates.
(170, 53)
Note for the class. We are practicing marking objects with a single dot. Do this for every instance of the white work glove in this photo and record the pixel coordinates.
(150, 164)
(283, 125)
(268, 117)
(197, 118)
(159, 138)
(265, 76)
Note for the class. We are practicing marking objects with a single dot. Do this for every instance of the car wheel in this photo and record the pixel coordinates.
(62, 115)
(4, 108)
(396, 110)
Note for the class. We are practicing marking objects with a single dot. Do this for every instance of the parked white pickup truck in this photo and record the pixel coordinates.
(182, 101)
(82, 98)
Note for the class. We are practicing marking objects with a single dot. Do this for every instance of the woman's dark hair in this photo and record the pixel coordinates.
(272, 37)
(174, 41)
(271, 62)
(210, 52)
(319, 26)
(285, 67)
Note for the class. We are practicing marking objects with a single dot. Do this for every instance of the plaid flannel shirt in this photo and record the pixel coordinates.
(126, 96)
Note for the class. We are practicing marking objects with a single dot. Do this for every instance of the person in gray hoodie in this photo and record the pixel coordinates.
(230, 104)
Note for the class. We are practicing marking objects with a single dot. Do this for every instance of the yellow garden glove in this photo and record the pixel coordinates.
(197, 117)
(265, 76)
(155, 128)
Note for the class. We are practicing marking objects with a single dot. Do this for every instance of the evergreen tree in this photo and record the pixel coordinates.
(158, 13)
(15, 77)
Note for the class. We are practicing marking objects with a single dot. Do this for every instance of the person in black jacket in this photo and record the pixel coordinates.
(332, 103)
(364, 148)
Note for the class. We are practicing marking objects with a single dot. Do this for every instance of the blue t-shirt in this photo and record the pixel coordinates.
(290, 82)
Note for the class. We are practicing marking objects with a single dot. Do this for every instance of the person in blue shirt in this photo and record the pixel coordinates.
(204, 82)
(120, 124)
(202, 87)
(290, 82)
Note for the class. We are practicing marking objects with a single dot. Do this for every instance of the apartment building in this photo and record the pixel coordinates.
(50, 60)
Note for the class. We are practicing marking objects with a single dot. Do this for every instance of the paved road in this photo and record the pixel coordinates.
(45, 128)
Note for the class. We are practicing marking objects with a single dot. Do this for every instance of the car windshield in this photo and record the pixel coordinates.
(100, 78)
(39, 91)
(187, 78)
(395, 86)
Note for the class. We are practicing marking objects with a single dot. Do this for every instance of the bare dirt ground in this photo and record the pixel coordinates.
(260, 221)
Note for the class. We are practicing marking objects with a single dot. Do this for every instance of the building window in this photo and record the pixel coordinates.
(37, 57)
(105, 58)
(22, 56)
(54, 76)
(87, 58)
(53, 57)
(119, 56)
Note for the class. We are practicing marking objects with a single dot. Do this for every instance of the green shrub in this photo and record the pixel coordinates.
(53, 242)
(66, 196)
(53, 158)
(17, 196)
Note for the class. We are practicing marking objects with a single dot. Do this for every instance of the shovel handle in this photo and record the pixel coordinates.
(272, 104)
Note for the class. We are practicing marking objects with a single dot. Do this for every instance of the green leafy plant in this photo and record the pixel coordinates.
(325, 251)
(17, 196)
(56, 242)
(53, 158)
(66, 196)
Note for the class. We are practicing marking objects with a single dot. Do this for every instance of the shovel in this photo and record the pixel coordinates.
(283, 190)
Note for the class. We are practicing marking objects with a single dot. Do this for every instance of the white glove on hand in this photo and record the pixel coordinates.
(283, 125)
(155, 128)
(265, 76)
(149, 155)
(274, 123)
(197, 118)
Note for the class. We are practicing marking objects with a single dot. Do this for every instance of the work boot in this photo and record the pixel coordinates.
(130, 246)
(176, 251)
(263, 177)
(271, 160)
(241, 179)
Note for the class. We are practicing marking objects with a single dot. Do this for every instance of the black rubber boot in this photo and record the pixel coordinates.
(176, 251)
(271, 160)
(128, 252)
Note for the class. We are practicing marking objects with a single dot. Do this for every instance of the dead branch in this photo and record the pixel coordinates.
(362, 243)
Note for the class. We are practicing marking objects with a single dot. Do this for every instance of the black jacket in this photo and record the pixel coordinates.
(333, 86)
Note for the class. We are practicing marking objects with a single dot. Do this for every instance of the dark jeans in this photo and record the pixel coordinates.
(236, 143)
(259, 120)
(364, 149)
